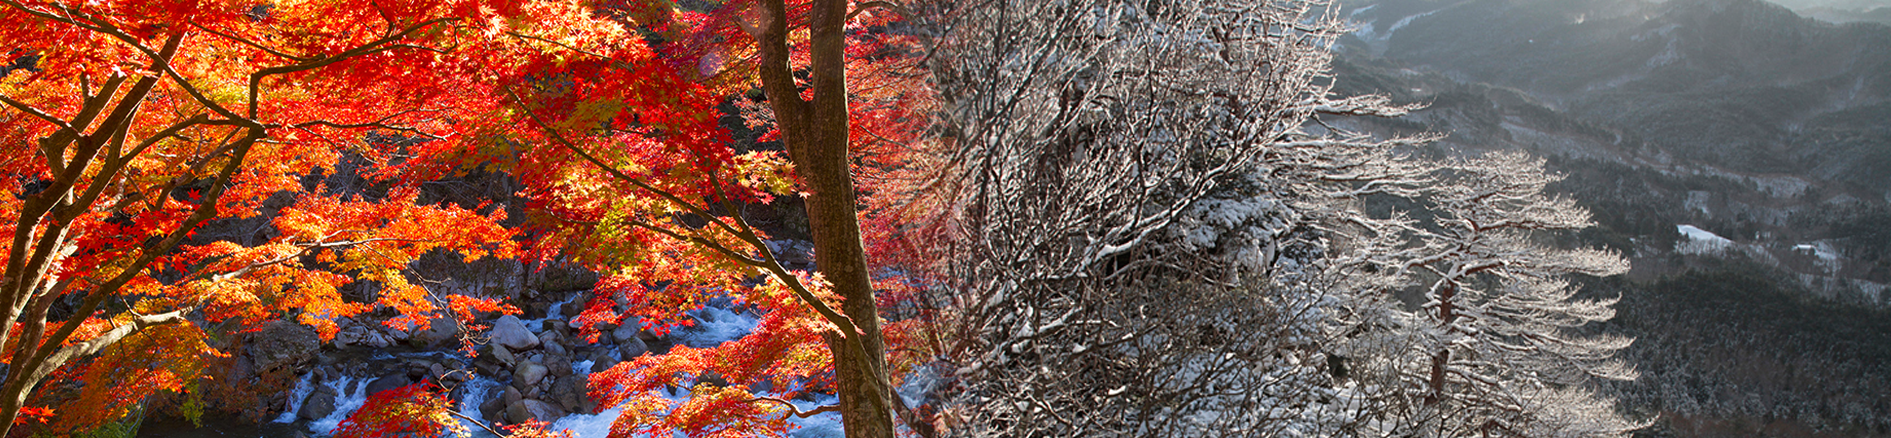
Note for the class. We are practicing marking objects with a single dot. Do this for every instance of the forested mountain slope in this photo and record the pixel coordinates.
(1738, 152)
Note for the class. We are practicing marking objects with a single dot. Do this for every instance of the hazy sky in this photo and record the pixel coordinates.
(1846, 4)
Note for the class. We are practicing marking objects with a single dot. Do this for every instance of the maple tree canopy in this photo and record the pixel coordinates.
(131, 124)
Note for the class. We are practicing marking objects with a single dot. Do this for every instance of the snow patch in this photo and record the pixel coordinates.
(1698, 241)
(1829, 260)
(1366, 31)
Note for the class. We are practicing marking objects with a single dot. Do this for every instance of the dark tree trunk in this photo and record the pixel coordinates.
(816, 134)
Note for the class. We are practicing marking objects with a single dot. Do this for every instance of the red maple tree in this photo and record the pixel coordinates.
(129, 125)
(135, 123)
(628, 169)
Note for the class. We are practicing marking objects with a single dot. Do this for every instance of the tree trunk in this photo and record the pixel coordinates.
(816, 134)
(1447, 313)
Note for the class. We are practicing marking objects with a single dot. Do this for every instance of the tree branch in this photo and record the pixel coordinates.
(797, 412)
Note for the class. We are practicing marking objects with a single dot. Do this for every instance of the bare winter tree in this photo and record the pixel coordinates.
(1491, 351)
(1151, 224)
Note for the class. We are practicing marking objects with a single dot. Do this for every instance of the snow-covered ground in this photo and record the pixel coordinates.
(1699, 241)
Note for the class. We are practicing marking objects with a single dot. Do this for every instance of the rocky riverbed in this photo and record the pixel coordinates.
(533, 368)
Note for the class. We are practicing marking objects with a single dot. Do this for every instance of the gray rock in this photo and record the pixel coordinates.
(529, 373)
(535, 309)
(396, 335)
(631, 348)
(391, 381)
(511, 395)
(503, 355)
(600, 364)
(627, 331)
(350, 335)
(659, 345)
(487, 367)
(530, 409)
(374, 339)
(569, 392)
(439, 331)
(559, 365)
(281, 344)
(511, 332)
(575, 306)
(493, 407)
(553, 326)
(319, 404)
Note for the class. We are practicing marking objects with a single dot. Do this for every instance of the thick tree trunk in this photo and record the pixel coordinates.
(816, 134)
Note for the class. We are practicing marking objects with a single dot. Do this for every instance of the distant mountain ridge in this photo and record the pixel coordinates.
(1878, 14)
(1739, 84)
(1677, 123)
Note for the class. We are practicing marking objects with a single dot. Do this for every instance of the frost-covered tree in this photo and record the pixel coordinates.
(1492, 350)
(1149, 223)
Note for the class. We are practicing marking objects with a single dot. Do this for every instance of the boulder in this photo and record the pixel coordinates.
(503, 355)
(374, 339)
(627, 331)
(319, 404)
(659, 345)
(576, 306)
(439, 331)
(530, 409)
(492, 408)
(487, 367)
(282, 344)
(554, 327)
(632, 347)
(511, 395)
(569, 392)
(559, 365)
(396, 335)
(350, 335)
(511, 332)
(536, 309)
(529, 373)
(387, 382)
(600, 364)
